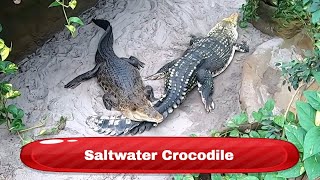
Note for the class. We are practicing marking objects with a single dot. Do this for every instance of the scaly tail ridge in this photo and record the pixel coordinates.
(111, 125)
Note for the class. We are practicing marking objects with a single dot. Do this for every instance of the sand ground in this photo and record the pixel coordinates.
(154, 31)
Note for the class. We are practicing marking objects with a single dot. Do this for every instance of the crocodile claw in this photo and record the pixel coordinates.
(72, 84)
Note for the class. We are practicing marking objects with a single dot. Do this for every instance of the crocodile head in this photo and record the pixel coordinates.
(143, 111)
(226, 27)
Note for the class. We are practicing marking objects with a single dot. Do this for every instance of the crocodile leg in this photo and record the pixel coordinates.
(85, 76)
(241, 47)
(134, 62)
(109, 101)
(205, 88)
(162, 71)
(148, 91)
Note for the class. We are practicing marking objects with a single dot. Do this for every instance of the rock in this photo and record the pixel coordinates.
(262, 80)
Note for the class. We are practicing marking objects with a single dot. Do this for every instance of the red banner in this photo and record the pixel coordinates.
(160, 155)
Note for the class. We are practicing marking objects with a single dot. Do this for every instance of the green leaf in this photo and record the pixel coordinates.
(317, 44)
(249, 178)
(178, 177)
(312, 166)
(2, 44)
(188, 177)
(269, 106)
(8, 67)
(4, 52)
(240, 119)
(313, 99)
(305, 2)
(245, 136)
(306, 115)
(193, 135)
(54, 4)
(26, 141)
(291, 117)
(317, 119)
(279, 120)
(315, 17)
(293, 172)
(295, 135)
(12, 94)
(231, 124)
(257, 116)
(72, 30)
(262, 133)
(234, 133)
(73, 4)
(272, 176)
(311, 143)
(17, 125)
(76, 20)
(316, 75)
(12, 109)
(19, 114)
(254, 134)
(5, 88)
(216, 177)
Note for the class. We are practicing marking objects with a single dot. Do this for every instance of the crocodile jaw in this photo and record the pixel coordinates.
(151, 116)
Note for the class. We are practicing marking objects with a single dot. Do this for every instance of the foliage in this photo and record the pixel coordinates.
(298, 72)
(9, 113)
(72, 22)
(55, 130)
(186, 176)
(249, 12)
(303, 131)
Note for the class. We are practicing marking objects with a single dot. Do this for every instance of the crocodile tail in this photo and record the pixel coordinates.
(105, 47)
(104, 24)
(111, 125)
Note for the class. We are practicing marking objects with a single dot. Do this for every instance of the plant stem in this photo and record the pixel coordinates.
(34, 127)
(64, 12)
(291, 101)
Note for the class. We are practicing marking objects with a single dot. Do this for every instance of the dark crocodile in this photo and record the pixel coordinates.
(206, 58)
(120, 80)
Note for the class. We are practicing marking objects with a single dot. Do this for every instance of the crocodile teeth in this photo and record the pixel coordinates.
(170, 110)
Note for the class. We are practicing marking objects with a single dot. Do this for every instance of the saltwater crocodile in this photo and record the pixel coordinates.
(120, 80)
(205, 58)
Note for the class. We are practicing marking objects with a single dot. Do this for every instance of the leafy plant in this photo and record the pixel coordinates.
(72, 22)
(9, 113)
(249, 12)
(299, 72)
(303, 132)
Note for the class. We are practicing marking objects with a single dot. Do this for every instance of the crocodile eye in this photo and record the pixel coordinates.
(134, 109)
